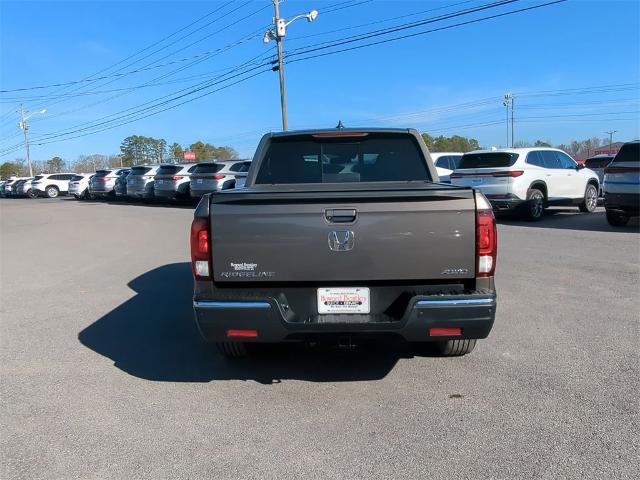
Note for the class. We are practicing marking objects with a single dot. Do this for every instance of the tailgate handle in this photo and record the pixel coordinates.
(340, 215)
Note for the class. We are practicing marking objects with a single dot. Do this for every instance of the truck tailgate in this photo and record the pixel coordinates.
(345, 237)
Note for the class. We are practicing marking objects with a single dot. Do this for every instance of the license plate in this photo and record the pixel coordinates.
(160, 182)
(343, 300)
(199, 180)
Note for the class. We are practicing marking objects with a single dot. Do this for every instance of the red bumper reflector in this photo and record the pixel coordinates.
(444, 332)
(242, 333)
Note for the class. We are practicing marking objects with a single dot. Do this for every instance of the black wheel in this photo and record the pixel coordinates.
(617, 219)
(31, 193)
(232, 349)
(52, 191)
(534, 206)
(590, 199)
(456, 348)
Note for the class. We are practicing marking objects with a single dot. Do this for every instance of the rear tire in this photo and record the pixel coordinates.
(52, 191)
(232, 349)
(590, 201)
(31, 193)
(534, 205)
(456, 348)
(617, 219)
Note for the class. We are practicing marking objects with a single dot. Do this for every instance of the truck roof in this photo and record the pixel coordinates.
(338, 131)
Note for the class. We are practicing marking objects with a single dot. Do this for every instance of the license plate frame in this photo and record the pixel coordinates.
(344, 300)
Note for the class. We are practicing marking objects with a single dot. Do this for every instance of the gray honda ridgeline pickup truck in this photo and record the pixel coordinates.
(344, 233)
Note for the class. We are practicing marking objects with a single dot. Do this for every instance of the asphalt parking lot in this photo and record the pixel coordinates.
(103, 374)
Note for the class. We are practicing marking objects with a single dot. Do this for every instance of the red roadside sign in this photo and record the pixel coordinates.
(189, 155)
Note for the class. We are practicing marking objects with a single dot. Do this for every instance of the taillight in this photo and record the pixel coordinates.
(621, 169)
(218, 177)
(177, 177)
(511, 173)
(486, 238)
(200, 249)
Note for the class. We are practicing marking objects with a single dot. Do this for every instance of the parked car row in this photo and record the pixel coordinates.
(167, 181)
(526, 180)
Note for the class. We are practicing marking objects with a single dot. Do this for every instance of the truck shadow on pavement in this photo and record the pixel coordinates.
(570, 219)
(153, 336)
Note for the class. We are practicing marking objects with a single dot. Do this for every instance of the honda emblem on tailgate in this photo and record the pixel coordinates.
(341, 241)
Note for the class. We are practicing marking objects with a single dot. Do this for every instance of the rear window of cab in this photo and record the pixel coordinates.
(488, 160)
(347, 158)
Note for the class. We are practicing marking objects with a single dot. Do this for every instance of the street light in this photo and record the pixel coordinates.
(24, 126)
(280, 32)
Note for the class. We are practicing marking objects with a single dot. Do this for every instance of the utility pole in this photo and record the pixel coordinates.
(513, 135)
(280, 33)
(506, 102)
(24, 126)
(281, 25)
(611, 138)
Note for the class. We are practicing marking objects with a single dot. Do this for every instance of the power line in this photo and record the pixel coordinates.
(153, 44)
(181, 38)
(403, 37)
(241, 80)
(343, 5)
(377, 22)
(386, 31)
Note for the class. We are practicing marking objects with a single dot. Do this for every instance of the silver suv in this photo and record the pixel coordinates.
(215, 176)
(140, 183)
(103, 182)
(172, 180)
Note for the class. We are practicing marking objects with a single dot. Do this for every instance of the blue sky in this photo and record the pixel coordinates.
(445, 82)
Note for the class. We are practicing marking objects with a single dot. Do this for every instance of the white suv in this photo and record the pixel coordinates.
(446, 163)
(528, 178)
(51, 184)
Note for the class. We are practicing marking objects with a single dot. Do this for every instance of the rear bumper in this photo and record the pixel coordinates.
(199, 192)
(165, 193)
(473, 313)
(141, 192)
(628, 203)
(504, 202)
